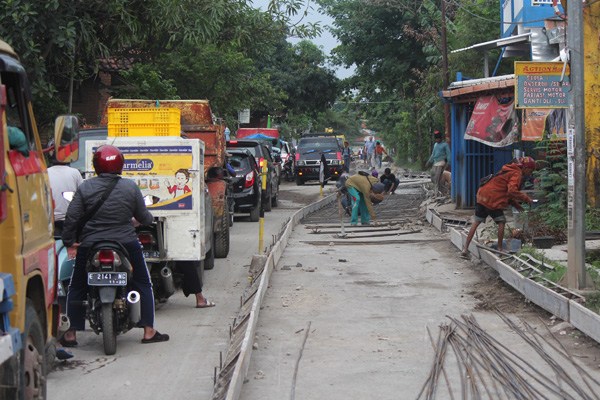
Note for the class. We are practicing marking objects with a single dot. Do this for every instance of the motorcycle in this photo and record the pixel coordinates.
(112, 306)
(288, 170)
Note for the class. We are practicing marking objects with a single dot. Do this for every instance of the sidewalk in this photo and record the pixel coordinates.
(349, 321)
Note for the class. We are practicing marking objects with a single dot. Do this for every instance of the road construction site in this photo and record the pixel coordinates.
(390, 311)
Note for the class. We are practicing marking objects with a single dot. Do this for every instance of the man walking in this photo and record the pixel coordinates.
(347, 156)
(440, 157)
(370, 151)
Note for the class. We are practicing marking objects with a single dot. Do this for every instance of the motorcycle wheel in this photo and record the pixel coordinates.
(109, 336)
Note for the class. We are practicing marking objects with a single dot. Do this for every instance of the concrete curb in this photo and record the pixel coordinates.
(558, 304)
(243, 360)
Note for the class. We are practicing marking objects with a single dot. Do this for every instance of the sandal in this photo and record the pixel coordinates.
(158, 337)
(206, 305)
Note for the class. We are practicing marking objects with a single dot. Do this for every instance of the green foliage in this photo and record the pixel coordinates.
(145, 81)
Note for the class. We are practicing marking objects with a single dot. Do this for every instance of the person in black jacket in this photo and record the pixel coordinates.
(113, 221)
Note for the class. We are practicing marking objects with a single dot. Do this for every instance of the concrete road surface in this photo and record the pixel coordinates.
(183, 367)
(343, 322)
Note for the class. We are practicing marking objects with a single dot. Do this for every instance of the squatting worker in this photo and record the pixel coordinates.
(440, 157)
(497, 194)
(112, 221)
(359, 186)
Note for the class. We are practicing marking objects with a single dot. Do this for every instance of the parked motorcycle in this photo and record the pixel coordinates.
(288, 170)
(112, 306)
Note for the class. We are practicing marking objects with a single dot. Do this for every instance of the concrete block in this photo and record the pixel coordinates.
(429, 215)
(585, 320)
(510, 276)
(488, 257)
(437, 222)
(546, 298)
(456, 237)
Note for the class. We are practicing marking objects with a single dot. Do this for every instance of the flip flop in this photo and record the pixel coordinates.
(158, 337)
(465, 256)
(207, 305)
(62, 354)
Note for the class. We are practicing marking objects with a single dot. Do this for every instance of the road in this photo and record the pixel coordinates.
(183, 367)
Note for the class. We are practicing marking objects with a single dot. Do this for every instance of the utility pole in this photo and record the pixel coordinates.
(445, 71)
(576, 275)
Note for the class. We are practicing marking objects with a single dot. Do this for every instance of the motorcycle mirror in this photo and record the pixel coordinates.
(68, 195)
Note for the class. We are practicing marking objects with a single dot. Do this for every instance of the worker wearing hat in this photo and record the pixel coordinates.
(497, 194)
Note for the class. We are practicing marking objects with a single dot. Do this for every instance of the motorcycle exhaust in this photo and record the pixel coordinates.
(133, 303)
(64, 323)
(166, 276)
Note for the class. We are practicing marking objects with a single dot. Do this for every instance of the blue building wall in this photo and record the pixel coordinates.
(532, 12)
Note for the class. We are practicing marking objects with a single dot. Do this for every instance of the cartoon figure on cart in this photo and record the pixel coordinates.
(182, 177)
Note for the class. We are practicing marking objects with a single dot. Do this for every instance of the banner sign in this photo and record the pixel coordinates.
(539, 85)
(493, 123)
(543, 123)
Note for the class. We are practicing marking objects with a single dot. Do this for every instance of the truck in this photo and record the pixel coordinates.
(197, 123)
(26, 234)
(170, 174)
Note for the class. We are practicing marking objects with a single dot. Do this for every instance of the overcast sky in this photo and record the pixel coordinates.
(325, 41)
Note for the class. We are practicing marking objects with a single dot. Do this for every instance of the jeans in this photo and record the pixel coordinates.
(389, 184)
(78, 288)
(358, 205)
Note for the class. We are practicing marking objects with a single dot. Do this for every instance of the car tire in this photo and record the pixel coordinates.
(267, 205)
(255, 213)
(299, 182)
(274, 200)
(209, 259)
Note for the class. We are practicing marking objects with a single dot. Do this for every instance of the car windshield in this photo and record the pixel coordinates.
(317, 144)
(239, 162)
(252, 149)
(324, 151)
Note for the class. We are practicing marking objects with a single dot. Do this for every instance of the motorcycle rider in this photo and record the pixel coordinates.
(63, 178)
(112, 221)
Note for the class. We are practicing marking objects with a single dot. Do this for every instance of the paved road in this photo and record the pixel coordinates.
(183, 367)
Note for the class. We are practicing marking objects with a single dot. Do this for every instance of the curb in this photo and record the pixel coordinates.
(561, 304)
(232, 375)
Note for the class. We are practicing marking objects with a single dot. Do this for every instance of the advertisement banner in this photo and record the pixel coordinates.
(493, 123)
(162, 172)
(543, 123)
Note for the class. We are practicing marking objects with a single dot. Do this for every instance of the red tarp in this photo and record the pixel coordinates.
(492, 123)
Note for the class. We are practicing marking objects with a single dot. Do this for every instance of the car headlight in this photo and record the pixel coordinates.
(301, 162)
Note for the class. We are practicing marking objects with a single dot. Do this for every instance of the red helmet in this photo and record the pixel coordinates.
(526, 162)
(108, 160)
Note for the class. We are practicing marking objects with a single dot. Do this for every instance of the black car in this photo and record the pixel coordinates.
(246, 184)
(308, 158)
(263, 155)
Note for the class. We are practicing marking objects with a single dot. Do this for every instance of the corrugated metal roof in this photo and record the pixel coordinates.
(479, 85)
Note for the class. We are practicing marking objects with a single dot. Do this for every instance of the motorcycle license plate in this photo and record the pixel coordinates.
(107, 278)
(151, 254)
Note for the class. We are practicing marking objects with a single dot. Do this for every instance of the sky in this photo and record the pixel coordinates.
(325, 41)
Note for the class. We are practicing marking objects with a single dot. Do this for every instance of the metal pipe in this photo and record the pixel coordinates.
(134, 306)
(166, 277)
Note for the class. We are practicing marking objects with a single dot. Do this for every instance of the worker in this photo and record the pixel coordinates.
(359, 186)
(498, 193)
